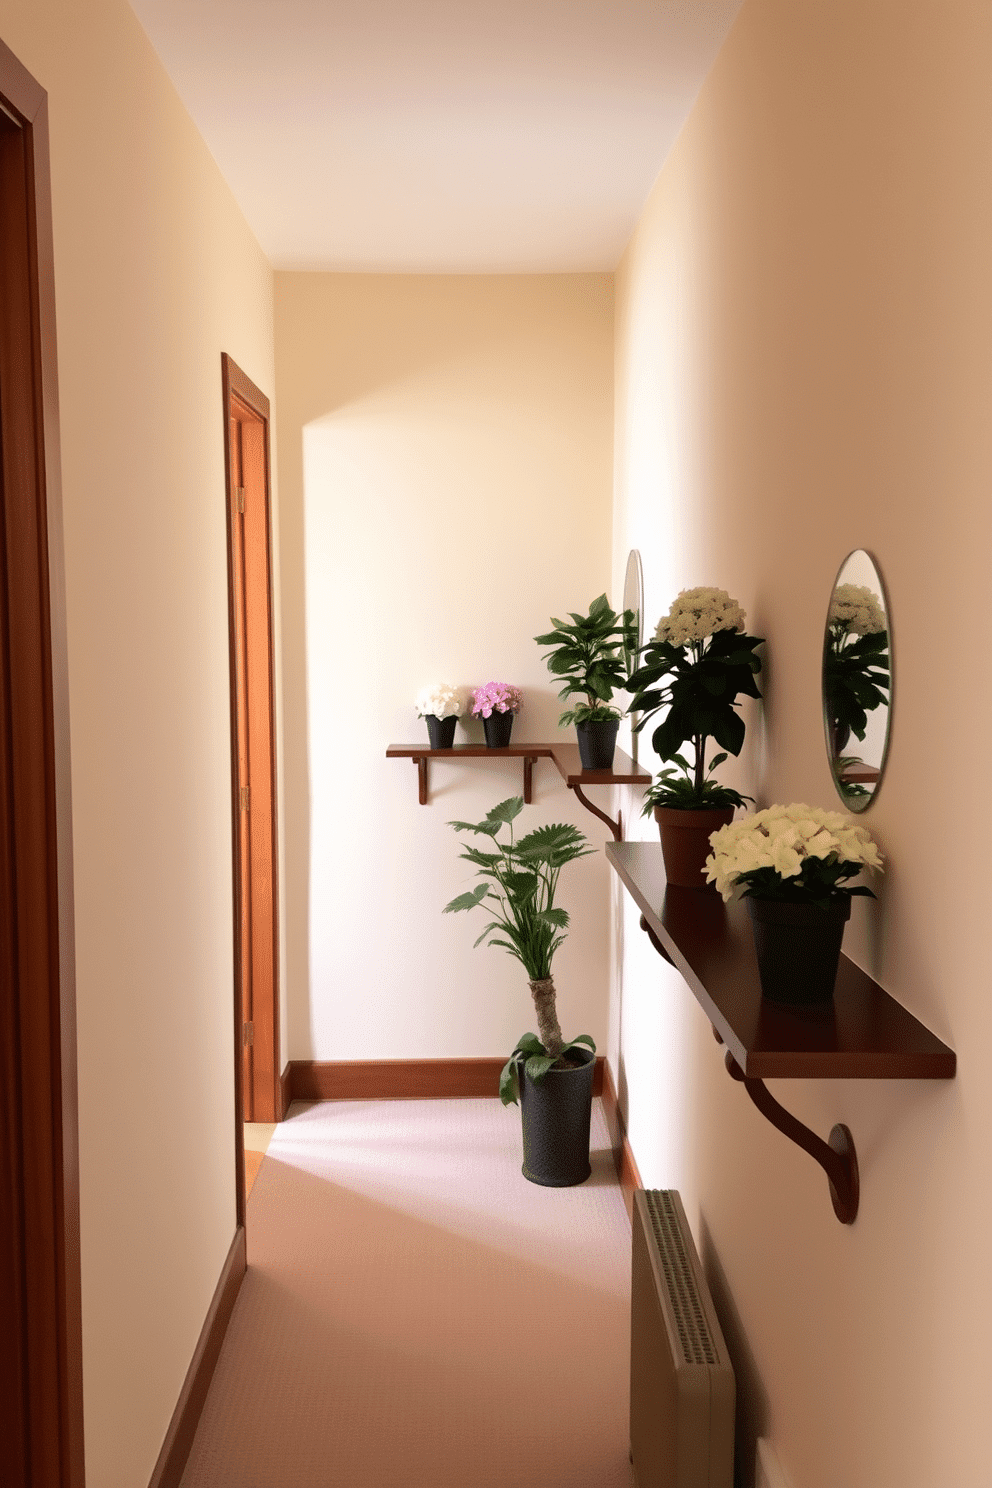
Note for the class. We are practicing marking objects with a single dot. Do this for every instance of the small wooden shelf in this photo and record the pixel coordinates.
(565, 757)
(865, 1034)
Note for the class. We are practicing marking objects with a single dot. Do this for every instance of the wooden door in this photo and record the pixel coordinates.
(41, 1422)
(253, 747)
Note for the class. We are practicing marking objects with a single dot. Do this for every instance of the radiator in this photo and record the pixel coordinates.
(681, 1379)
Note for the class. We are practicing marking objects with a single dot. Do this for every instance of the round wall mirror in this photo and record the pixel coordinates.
(857, 693)
(633, 600)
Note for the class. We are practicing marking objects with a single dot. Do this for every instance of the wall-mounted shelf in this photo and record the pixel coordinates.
(565, 757)
(865, 1034)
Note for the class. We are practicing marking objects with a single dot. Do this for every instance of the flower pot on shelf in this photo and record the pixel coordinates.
(556, 1115)
(597, 742)
(685, 842)
(798, 948)
(440, 731)
(498, 727)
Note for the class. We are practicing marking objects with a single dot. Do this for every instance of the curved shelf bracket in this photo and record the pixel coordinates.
(616, 827)
(661, 949)
(837, 1156)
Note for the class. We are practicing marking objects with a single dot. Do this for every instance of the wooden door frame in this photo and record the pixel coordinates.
(38, 1113)
(239, 389)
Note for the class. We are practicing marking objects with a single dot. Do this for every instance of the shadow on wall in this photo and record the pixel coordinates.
(752, 1409)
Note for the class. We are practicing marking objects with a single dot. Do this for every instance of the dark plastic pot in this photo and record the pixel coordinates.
(798, 949)
(597, 743)
(685, 842)
(498, 727)
(556, 1115)
(440, 731)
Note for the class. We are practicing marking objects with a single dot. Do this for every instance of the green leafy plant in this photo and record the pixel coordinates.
(697, 666)
(591, 655)
(519, 882)
(678, 788)
(855, 678)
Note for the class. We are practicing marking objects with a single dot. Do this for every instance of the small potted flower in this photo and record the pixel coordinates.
(792, 864)
(552, 1079)
(591, 655)
(697, 666)
(440, 706)
(496, 704)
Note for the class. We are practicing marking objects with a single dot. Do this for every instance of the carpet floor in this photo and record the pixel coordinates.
(417, 1315)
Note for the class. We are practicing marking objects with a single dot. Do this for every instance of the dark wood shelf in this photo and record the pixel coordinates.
(865, 1035)
(564, 755)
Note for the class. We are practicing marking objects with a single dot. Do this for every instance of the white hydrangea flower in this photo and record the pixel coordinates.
(781, 837)
(856, 610)
(442, 700)
(698, 613)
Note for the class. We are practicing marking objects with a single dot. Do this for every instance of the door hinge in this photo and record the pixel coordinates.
(239, 492)
(244, 797)
(248, 1033)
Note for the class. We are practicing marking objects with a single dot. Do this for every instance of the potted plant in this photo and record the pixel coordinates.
(792, 864)
(551, 1078)
(855, 665)
(440, 706)
(590, 655)
(698, 664)
(496, 704)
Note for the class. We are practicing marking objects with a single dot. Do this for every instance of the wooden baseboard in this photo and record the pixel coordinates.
(285, 1093)
(397, 1079)
(623, 1155)
(178, 1442)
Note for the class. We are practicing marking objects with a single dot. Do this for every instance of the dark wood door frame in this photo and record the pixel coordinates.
(253, 751)
(41, 1392)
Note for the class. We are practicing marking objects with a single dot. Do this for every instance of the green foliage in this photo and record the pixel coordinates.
(531, 1055)
(519, 881)
(678, 788)
(590, 654)
(855, 678)
(821, 881)
(699, 683)
(584, 714)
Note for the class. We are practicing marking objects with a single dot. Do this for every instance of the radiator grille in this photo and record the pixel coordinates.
(690, 1319)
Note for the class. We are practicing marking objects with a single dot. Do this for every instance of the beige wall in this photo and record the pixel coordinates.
(156, 274)
(445, 448)
(803, 367)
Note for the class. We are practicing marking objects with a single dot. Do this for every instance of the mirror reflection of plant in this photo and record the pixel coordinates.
(698, 664)
(519, 882)
(852, 790)
(590, 654)
(855, 660)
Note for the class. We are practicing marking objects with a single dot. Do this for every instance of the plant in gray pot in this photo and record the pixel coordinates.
(440, 706)
(552, 1079)
(696, 667)
(590, 655)
(792, 864)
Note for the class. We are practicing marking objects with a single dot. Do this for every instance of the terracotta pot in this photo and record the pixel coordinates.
(440, 731)
(685, 842)
(798, 948)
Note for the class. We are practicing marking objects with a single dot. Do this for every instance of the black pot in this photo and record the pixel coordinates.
(440, 731)
(556, 1115)
(798, 948)
(597, 742)
(498, 727)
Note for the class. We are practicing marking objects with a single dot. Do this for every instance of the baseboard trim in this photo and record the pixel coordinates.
(623, 1155)
(397, 1079)
(285, 1092)
(178, 1442)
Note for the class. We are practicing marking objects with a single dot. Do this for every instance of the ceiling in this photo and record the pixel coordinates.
(439, 136)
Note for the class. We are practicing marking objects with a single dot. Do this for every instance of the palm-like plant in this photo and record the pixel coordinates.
(519, 882)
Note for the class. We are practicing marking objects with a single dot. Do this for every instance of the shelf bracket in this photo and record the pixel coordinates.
(616, 827)
(422, 763)
(836, 1156)
(660, 948)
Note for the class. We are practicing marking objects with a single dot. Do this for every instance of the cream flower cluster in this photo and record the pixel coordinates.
(441, 699)
(857, 610)
(698, 613)
(781, 837)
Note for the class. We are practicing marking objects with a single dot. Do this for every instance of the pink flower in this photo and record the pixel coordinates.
(498, 697)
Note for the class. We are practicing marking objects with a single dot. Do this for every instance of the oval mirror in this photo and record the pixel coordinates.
(857, 680)
(633, 600)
